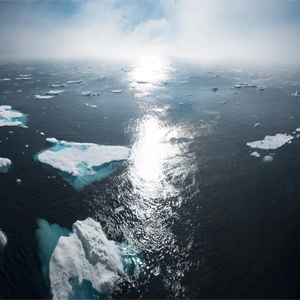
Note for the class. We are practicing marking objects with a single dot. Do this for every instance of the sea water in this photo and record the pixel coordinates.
(206, 217)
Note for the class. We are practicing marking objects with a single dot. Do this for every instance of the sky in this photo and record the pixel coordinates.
(205, 30)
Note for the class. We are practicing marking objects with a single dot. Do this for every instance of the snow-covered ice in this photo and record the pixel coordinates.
(57, 92)
(3, 240)
(255, 154)
(9, 117)
(83, 163)
(5, 164)
(42, 97)
(271, 142)
(86, 254)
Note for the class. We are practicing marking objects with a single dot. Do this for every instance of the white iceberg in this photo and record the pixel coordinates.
(42, 97)
(75, 82)
(83, 163)
(5, 164)
(255, 154)
(88, 255)
(271, 142)
(244, 85)
(9, 117)
(116, 91)
(57, 92)
(297, 94)
(3, 240)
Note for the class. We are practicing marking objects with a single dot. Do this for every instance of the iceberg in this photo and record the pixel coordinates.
(255, 154)
(88, 93)
(86, 254)
(75, 82)
(9, 117)
(42, 97)
(5, 164)
(268, 158)
(116, 91)
(297, 94)
(82, 163)
(271, 142)
(244, 85)
(58, 92)
(3, 240)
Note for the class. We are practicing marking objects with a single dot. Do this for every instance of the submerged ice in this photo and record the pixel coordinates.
(9, 117)
(82, 163)
(271, 142)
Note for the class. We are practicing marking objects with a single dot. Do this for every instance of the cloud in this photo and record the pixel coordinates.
(205, 30)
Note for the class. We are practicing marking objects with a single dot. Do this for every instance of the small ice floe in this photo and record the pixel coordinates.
(57, 85)
(19, 181)
(19, 91)
(5, 79)
(5, 164)
(42, 97)
(9, 117)
(244, 85)
(119, 209)
(214, 89)
(74, 82)
(3, 240)
(42, 133)
(268, 158)
(184, 81)
(238, 103)
(89, 93)
(298, 129)
(23, 78)
(142, 82)
(90, 105)
(255, 154)
(271, 142)
(116, 91)
(257, 124)
(297, 94)
(57, 92)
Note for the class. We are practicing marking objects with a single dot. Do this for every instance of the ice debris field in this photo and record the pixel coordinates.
(69, 259)
(9, 117)
(82, 163)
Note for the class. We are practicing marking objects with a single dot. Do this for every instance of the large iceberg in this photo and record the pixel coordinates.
(271, 142)
(86, 254)
(3, 240)
(9, 117)
(82, 163)
(5, 164)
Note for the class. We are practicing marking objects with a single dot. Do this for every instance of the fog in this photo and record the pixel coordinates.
(250, 31)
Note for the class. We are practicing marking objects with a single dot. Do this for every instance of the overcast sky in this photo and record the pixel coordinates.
(206, 30)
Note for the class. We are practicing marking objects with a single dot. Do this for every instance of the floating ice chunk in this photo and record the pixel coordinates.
(116, 91)
(86, 254)
(19, 91)
(94, 106)
(297, 94)
(42, 97)
(184, 81)
(271, 142)
(298, 129)
(3, 240)
(83, 163)
(268, 158)
(88, 93)
(256, 154)
(42, 133)
(19, 181)
(257, 124)
(57, 85)
(5, 164)
(57, 92)
(244, 85)
(5, 79)
(23, 78)
(9, 117)
(75, 82)
(119, 209)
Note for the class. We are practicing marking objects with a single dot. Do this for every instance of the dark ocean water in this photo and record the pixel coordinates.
(209, 219)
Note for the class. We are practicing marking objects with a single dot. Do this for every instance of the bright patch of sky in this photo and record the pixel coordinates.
(241, 29)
